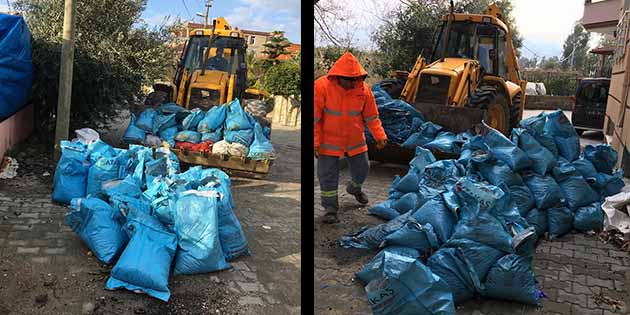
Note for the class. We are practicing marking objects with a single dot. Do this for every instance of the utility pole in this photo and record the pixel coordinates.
(65, 76)
(205, 16)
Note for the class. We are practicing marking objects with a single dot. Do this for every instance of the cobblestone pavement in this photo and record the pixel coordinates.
(575, 271)
(45, 269)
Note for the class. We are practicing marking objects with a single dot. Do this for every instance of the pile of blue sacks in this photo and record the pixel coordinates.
(135, 209)
(467, 227)
(229, 122)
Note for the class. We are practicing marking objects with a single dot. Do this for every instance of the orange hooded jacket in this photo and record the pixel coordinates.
(341, 115)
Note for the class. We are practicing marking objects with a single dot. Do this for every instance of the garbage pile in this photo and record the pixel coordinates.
(227, 129)
(407, 127)
(135, 209)
(468, 227)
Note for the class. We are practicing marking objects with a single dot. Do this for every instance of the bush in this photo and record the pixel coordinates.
(115, 55)
(283, 79)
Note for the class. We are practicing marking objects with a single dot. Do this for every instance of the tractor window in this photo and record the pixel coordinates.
(460, 41)
(502, 56)
(224, 54)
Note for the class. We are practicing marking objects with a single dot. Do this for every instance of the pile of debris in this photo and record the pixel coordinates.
(468, 227)
(227, 129)
(134, 209)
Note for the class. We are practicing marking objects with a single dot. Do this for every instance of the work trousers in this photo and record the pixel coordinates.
(328, 175)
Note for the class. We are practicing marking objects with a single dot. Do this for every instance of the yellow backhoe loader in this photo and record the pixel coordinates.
(472, 76)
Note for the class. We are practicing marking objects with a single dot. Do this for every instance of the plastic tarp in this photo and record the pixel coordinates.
(92, 219)
(16, 69)
(70, 178)
(145, 263)
(197, 229)
(407, 287)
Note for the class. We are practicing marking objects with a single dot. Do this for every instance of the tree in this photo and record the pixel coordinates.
(283, 79)
(575, 49)
(527, 63)
(115, 55)
(276, 45)
(412, 29)
(552, 63)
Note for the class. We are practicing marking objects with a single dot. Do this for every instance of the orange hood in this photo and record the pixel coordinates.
(347, 66)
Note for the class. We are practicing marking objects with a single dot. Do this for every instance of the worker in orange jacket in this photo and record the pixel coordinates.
(344, 104)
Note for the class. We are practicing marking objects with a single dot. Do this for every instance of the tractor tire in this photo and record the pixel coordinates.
(156, 98)
(393, 87)
(482, 97)
(515, 111)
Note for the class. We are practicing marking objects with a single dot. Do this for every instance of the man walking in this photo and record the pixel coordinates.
(344, 104)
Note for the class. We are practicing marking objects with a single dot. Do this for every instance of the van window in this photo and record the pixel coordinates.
(594, 92)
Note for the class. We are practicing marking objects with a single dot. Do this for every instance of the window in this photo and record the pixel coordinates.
(246, 38)
(252, 40)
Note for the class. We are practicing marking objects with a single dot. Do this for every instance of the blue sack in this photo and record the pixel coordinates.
(414, 235)
(444, 142)
(374, 268)
(441, 174)
(145, 263)
(93, 221)
(505, 150)
(106, 168)
(538, 219)
(384, 210)
(244, 136)
(545, 190)
(192, 120)
(560, 220)
(589, 218)
(542, 159)
(421, 160)
(372, 237)
(261, 148)
(611, 184)
(473, 145)
(154, 169)
(71, 173)
(170, 108)
(134, 134)
(213, 119)
(146, 120)
(441, 218)
(168, 135)
(564, 135)
(481, 256)
(512, 279)
(426, 133)
(214, 136)
(163, 122)
(523, 199)
(536, 127)
(16, 68)
(407, 202)
(476, 198)
(188, 136)
(197, 229)
(485, 229)
(407, 287)
(585, 168)
(454, 268)
(603, 157)
(409, 183)
(236, 118)
(577, 193)
(496, 172)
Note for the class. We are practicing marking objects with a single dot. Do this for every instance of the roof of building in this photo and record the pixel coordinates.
(293, 50)
(603, 50)
(601, 13)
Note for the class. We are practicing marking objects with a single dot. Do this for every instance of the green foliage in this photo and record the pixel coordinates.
(556, 82)
(283, 79)
(115, 55)
(276, 45)
(575, 48)
(413, 29)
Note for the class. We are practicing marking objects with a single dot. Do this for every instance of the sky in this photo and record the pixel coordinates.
(544, 24)
(257, 15)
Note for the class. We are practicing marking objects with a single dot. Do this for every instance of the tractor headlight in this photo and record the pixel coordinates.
(200, 33)
(234, 34)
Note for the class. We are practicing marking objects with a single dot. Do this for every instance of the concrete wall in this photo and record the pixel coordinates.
(547, 102)
(15, 129)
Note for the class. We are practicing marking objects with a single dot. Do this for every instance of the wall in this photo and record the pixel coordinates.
(15, 129)
(286, 112)
(547, 102)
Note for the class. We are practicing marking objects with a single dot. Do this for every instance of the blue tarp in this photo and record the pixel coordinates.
(16, 69)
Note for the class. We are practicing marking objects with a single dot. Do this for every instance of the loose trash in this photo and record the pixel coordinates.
(10, 167)
(135, 210)
(485, 209)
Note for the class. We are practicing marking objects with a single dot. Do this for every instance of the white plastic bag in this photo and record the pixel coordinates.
(87, 135)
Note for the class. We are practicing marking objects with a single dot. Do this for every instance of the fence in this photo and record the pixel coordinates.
(561, 83)
(287, 111)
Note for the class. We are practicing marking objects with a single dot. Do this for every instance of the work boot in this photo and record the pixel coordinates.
(330, 218)
(359, 195)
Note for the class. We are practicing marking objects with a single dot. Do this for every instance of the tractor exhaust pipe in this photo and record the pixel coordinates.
(448, 31)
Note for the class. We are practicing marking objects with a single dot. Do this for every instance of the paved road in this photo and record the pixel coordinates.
(573, 270)
(45, 269)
